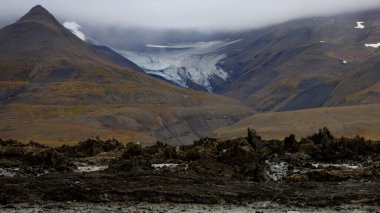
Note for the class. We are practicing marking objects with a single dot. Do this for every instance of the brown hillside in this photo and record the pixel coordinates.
(309, 63)
(55, 88)
(342, 121)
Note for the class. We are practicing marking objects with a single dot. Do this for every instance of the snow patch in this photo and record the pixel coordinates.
(359, 25)
(75, 29)
(322, 41)
(373, 45)
(277, 171)
(345, 62)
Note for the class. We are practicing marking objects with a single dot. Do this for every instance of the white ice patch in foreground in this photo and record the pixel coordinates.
(75, 29)
(164, 165)
(345, 62)
(373, 45)
(91, 168)
(359, 25)
(344, 165)
(5, 172)
(277, 171)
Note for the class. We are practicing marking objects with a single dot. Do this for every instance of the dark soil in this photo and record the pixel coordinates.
(319, 171)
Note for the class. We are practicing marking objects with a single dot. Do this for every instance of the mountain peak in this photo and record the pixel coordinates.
(37, 13)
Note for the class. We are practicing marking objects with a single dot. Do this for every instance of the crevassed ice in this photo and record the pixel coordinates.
(180, 63)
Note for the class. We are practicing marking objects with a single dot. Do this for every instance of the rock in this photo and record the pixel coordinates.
(299, 158)
(291, 144)
(91, 147)
(297, 178)
(48, 159)
(308, 146)
(132, 150)
(253, 139)
(339, 174)
(161, 152)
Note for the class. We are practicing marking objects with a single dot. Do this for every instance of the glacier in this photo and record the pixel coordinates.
(183, 63)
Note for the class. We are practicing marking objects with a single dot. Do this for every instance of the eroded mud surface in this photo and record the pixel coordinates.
(317, 172)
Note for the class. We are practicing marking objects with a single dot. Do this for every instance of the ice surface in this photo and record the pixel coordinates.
(180, 63)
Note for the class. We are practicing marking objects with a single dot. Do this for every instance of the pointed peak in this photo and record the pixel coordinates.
(37, 13)
(38, 8)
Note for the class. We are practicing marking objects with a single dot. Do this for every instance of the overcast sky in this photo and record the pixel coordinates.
(184, 14)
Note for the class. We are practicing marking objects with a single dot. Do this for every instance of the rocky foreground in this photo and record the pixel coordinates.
(318, 171)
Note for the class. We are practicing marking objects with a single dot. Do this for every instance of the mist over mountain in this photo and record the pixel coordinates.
(211, 15)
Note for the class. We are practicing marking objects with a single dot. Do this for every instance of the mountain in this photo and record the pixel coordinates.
(55, 88)
(347, 121)
(75, 28)
(116, 57)
(309, 63)
(300, 64)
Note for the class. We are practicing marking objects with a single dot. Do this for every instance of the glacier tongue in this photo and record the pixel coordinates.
(182, 64)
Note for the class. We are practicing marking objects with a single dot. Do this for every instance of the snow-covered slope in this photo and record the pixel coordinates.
(75, 29)
(185, 64)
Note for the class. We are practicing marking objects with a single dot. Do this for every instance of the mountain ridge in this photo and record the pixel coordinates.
(306, 63)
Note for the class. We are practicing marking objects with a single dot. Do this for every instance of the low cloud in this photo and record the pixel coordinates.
(204, 15)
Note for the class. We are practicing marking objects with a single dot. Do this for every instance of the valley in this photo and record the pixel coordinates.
(122, 117)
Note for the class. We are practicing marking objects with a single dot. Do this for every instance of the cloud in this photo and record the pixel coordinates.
(203, 15)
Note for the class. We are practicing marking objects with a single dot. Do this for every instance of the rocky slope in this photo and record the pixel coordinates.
(55, 88)
(300, 64)
(309, 63)
(317, 171)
